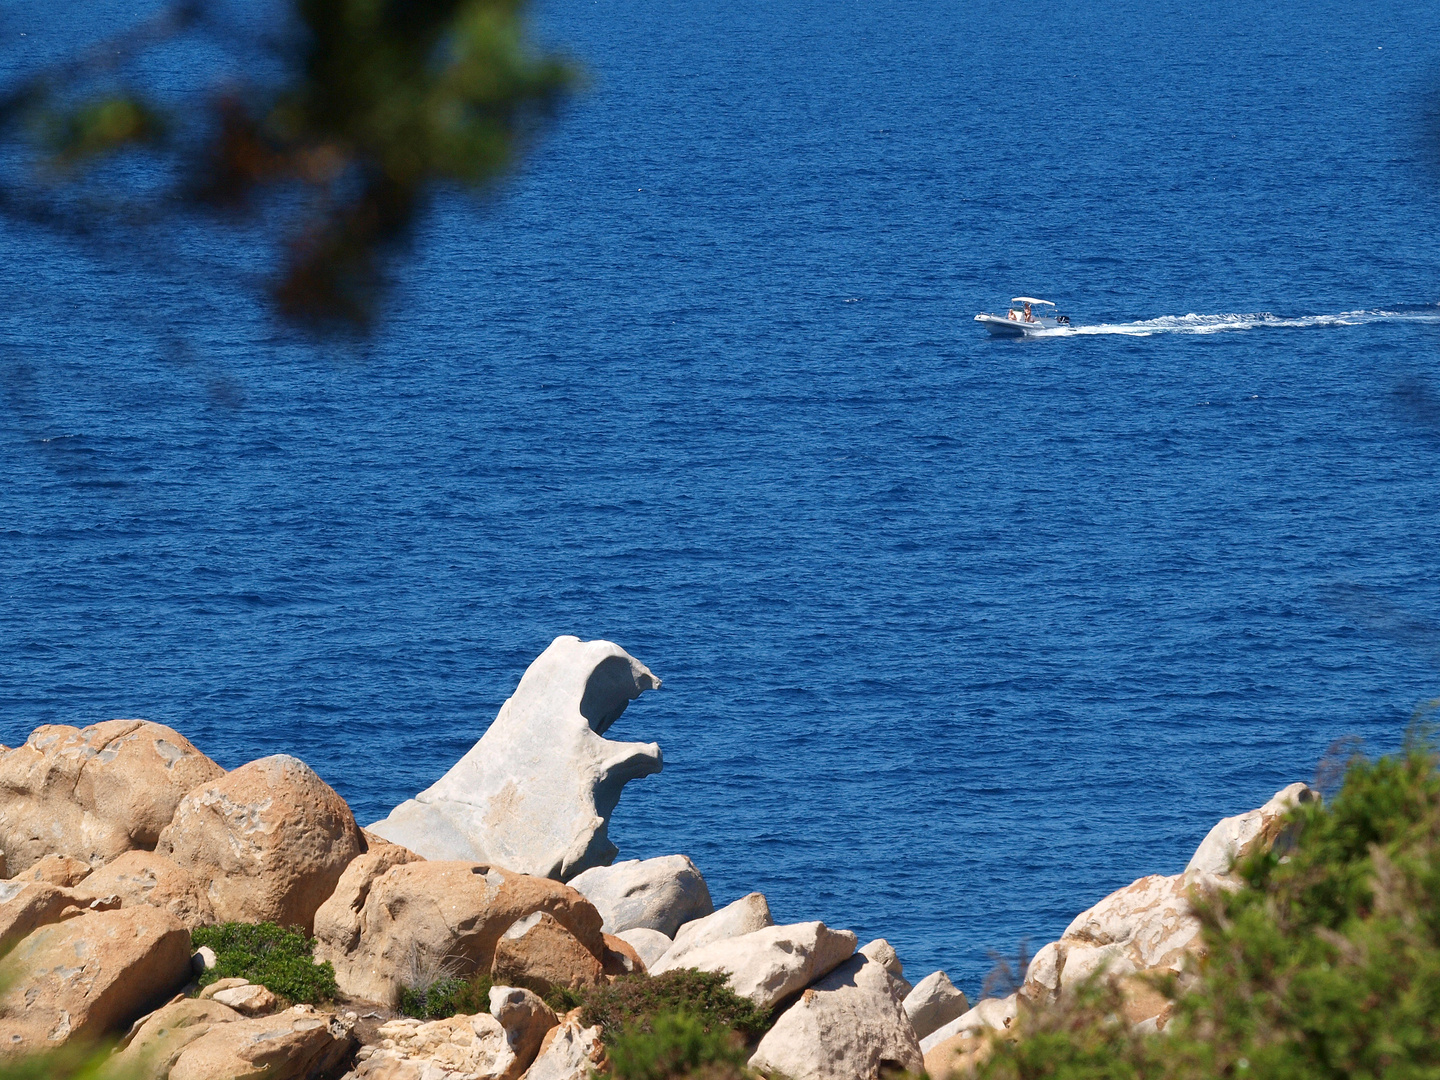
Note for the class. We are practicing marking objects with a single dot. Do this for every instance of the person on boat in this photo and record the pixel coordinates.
(1028, 317)
(1012, 316)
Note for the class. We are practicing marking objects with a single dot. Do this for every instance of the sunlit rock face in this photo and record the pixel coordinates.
(535, 794)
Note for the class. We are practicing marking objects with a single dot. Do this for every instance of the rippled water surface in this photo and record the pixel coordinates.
(957, 634)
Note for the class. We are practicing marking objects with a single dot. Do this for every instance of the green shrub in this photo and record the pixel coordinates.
(632, 1003)
(1324, 966)
(280, 959)
(677, 1044)
(447, 996)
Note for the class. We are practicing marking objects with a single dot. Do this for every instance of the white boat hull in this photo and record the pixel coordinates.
(1001, 326)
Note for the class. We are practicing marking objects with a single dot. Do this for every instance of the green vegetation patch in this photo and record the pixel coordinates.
(1324, 966)
(633, 1003)
(281, 959)
(677, 1044)
(447, 996)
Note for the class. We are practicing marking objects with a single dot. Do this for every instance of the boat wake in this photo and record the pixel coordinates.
(1219, 324)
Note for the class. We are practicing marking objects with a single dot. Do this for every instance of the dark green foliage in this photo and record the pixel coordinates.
(446, 997)
(1325, 966)
(279, 958)
(633, 1002)
(677, 1044)
(368, 110)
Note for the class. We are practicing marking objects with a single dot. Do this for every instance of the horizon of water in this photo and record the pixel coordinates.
(957, 634)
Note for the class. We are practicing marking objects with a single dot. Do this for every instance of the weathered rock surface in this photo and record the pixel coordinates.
(992, 1014)
(270, 838)
(536, 792)
(1234, 838)
(933, 1003)
(92, 793)
(622, 958)
(1149, 925)
(650, 944)
(569, 1052)
(62, 870)
(658, 894)
(884, 954)
(497, 1046)
(89, 975)
(25, 906)
(538, 951)
(298, 1044)
(337, 920)
(847, 1026)
(156, 1043)
(422, 912)
(143, 877)
(525, 1018)
(249, 999)
(771, 964)
(743, 916)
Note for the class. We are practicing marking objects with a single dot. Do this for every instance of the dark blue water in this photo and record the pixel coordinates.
(957, 634)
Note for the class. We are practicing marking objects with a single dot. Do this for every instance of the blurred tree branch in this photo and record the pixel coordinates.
(371, 106)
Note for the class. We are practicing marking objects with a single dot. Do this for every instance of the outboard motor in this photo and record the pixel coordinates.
(1062, 320)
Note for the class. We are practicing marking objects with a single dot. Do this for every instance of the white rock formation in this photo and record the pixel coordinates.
(994, 1014)
(771, 964)
(884, 954)
(847, 1026)
(743, 916)
(536, 792)
(569, 1052)
(1233, 838)
(650, 944)
(657, 894)
(933, 1003)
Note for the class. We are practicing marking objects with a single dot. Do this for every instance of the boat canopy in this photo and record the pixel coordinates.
(1029, 300)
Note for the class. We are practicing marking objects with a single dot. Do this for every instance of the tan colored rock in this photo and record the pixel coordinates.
(160, 1037)
(62, 870)
(337, 921)
(250, 999)
(423, 912)
(93, 793)
(144, 877)
(25, 906)
(298, 1044)
(958, 1055)
(570, 1051)
(990, 1016)
(525, 1018)
(271, 838)
(847, 1026)
(1147, 926)
(495, 1046)
(89, 975)
(622, 958)
(218, 985)
(538, 952)
(769, 965)
(1235, 838)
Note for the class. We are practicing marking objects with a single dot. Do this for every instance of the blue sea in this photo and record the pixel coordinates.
(957, 634)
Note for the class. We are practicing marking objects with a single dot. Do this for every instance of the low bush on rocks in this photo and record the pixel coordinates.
(281, 959)
(1324, 966)
(633, 1003)
(678, 1044)
(447, 996)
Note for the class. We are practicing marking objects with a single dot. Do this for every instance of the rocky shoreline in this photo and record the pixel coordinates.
(121, 839)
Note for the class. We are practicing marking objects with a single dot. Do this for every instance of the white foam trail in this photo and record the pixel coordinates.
(1217, 324)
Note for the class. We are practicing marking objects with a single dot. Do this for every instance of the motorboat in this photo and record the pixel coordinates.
(1023, 319)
